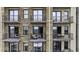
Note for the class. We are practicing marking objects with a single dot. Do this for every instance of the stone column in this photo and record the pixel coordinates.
(1, 43)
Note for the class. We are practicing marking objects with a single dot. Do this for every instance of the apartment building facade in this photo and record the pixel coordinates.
(38, 29)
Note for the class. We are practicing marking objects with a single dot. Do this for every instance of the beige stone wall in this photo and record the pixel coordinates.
(73, 29)
(1, 47)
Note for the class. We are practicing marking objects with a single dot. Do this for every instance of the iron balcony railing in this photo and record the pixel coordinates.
(63, 19)
(65, 36)
(38, 19)
(6, 36)
(7, 18)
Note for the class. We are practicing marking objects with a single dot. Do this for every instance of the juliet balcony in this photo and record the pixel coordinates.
(59, 37)
(63, 20)
(11, 37)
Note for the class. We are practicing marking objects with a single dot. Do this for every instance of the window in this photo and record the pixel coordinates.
(25, 30)
(56, 31)
(37, 15)
(65, 15)
(56, 46)
(66, 45)
(66, 30)
(26, 13)
(38, 47)
(13, 31)
(56, 16)
(13, 15)
(13, 47)
(25, 46)
(37, 32)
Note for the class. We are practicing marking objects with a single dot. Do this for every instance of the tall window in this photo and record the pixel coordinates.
(13, 15)
(65, 15)
(13, 31)
(25, 30)
(37, 47)
(56, 16)
(66, 45)
(13, 47)
(65, 29)
(37, 15)
(26, 14)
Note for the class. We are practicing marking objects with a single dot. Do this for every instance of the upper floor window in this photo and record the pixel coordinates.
(25, 30)
(66, 30)
(13, 31)
(26, 14)
(65, 15)
(13, 15)
(37, 15)
(56, 16)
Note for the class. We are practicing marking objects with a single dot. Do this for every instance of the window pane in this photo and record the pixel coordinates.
(58, 13)
(11, 18)
(15, 18)
(25, 30)
(66, 30)
(58, 16)
(34, 12)
(39, 18)
(11, 12)
(54, 16)
(66, 45)
(35, 18)
(39, 12)
(25, 16)
(11, 31)
(65, 15)
(25, 11)
(15, 12)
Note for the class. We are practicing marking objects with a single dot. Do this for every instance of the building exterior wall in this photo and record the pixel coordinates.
(48, 28)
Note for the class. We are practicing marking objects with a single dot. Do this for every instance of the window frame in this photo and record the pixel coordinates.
(25, 30)
(13, 14)
(38, 19)
(25, 14)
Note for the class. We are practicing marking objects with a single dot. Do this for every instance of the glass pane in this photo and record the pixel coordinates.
(65, 15)
(11, 12)
(39, 18)
(11, 31)
(25, 16)
(66, 27)
(35, 18)
(25, 28)
(40, 12)
(11, 18)
(54, 16)
(58, 16)
(15, 12)
(25, 11)
(15, 18)
(66, 45)
(34, 12)
(58, 13)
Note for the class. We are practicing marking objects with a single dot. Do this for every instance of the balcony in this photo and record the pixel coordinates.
(6, 19)
(62, 20)
(38, 20)
(63, 37)
(37, 38)
(10, 39)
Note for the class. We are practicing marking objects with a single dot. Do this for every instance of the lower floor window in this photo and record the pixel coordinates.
(66, 45)
(57, 46)
(37, 47)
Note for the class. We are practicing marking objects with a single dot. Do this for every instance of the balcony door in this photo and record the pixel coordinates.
(13, 31)
(37, 32)
(13, 47)
(57, 46)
